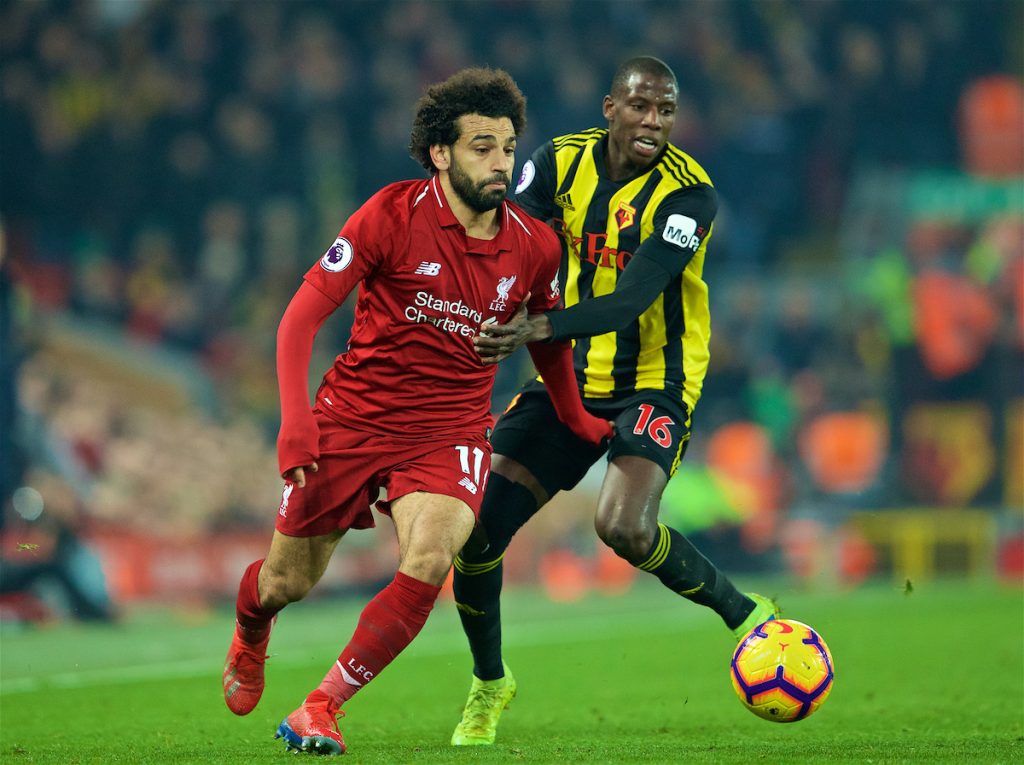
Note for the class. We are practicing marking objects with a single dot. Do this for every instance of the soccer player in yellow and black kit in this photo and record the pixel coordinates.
(635, 214)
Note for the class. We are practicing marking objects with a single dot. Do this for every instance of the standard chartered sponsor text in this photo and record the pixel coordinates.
(446, 323)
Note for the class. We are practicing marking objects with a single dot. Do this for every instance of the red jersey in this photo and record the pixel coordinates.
(424, 289)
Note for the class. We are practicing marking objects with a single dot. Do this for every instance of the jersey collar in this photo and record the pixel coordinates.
(446, 219)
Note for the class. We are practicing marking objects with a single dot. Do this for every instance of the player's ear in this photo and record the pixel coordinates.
(441, 155)
(608, 107)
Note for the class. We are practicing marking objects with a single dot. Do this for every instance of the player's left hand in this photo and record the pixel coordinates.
(596, 431)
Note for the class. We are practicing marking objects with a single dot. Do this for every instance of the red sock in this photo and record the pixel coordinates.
(387, 625)
(253, 619)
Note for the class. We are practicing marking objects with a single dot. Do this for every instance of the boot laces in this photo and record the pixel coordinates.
(482, 702)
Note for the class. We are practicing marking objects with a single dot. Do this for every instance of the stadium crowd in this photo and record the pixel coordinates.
(172, 168)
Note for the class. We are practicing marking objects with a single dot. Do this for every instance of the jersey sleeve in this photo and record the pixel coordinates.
(681, 223)
(545, 292)
(356, 253)
(641, 282)
(535, 191)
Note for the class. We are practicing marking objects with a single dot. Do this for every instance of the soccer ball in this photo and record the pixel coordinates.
(782, 670)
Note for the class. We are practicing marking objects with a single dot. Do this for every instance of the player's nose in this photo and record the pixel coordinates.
(652, 118)
(503, 162)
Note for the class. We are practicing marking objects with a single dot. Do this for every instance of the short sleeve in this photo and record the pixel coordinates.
(356, 253)
(682, 223)
(535, 191)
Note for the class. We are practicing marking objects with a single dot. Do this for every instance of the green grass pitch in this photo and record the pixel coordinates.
(933, 676)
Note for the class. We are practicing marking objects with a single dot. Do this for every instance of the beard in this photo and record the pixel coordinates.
(476, 197)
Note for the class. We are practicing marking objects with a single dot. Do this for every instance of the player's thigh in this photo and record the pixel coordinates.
(431, 529)
(631, 492)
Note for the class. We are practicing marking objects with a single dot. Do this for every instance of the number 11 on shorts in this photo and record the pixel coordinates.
(472, 479)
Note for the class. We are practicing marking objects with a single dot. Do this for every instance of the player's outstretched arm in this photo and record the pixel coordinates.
(554, 362)
(641, 282)
(298, 441)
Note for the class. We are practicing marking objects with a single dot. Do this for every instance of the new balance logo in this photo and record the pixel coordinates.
(564, 201)
(426, 268)
(468, 484)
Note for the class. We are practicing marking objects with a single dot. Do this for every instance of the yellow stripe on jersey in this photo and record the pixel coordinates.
(582, 187)
(697, 338)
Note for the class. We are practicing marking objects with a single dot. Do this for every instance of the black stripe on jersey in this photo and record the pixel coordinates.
(686, 164)
(676, 170)
(570, 174)
(595, 220)
(627, 350)
(683, 164)
(569, 141)
(576, 139)
(627, 341)
(675, 326)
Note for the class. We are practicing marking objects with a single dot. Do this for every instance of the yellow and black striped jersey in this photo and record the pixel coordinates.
(661, 216)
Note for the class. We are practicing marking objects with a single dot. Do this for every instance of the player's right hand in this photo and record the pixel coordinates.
(297, 475)
(298, 445)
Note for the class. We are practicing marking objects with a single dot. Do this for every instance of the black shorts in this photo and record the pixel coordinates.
(652, 424)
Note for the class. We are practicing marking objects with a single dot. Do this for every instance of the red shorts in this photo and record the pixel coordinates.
(354, 465)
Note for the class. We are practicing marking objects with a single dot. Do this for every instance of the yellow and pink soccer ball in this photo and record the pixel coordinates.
(782, 670)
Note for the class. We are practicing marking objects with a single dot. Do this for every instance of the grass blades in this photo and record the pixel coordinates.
(934, 676)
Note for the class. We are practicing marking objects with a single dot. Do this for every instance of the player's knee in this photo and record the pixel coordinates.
(429, 566)
(506, 506)
(476, 547)
(278, 589)
(629, 540)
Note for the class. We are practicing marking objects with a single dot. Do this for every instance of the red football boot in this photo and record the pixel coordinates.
(313, 727)
(243, 673)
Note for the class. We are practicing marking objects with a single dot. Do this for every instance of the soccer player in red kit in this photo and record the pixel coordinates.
(406, 408)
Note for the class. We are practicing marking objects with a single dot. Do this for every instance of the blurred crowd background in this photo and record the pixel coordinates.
(169, 169)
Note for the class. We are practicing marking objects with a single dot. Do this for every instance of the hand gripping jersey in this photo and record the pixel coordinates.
(424, 289)
(663, 215)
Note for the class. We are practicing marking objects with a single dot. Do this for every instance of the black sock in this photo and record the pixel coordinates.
(477, 588)
(478, 571)
(681, 568)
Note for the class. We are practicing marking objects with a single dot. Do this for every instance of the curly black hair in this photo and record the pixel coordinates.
(478, 90)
